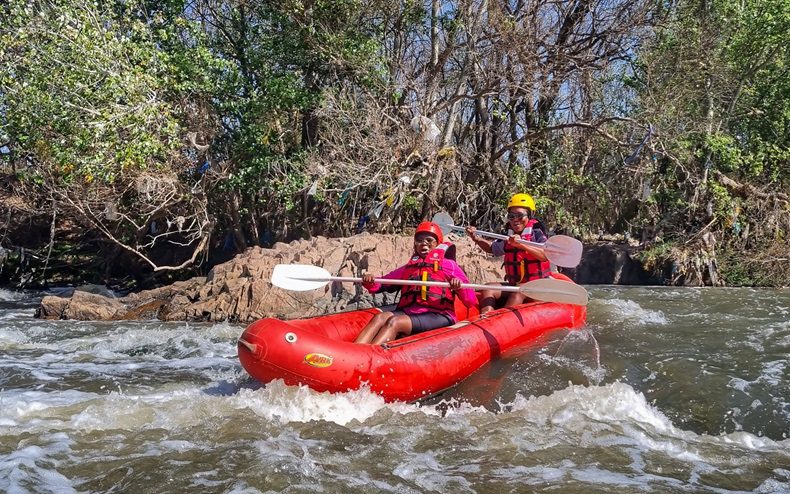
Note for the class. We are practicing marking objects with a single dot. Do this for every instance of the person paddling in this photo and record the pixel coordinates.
(523, 263)
(420, 308)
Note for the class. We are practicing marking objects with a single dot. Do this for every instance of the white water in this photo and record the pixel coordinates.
(683, 400)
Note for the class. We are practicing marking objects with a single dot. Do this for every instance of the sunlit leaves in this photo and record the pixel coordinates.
(723, 67)
(86, 92)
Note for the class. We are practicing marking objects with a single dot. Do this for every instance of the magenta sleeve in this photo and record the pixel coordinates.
(396, 274)
(467, 295)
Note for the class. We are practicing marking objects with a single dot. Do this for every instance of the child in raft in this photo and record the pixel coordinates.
(421, 308)
(523, 263)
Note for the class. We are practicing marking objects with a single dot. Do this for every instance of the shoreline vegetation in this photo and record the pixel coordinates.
(146, 142)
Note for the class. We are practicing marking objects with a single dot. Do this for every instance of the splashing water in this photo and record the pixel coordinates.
(665, 390)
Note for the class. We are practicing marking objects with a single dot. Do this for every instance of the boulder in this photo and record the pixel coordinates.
(239, 290)
(87, 306)
(610, 264)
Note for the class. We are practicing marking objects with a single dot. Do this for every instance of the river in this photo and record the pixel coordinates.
(666, 390)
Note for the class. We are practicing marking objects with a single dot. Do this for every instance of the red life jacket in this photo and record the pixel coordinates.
(429, 269)
(520, 265)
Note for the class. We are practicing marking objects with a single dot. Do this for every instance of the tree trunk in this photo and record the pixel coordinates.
(309, 128)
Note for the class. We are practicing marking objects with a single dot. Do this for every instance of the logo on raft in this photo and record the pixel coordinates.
(318, 360)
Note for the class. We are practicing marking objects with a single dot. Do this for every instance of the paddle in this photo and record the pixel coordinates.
(560, 249)
(304, 277)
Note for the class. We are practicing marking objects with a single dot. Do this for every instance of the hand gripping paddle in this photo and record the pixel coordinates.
(560, 249)
(304, 277)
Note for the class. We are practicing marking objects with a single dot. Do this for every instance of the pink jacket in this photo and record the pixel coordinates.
(450, 267)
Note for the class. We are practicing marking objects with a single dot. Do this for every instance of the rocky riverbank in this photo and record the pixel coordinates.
(239, 290)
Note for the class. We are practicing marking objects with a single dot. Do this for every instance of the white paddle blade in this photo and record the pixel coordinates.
(299, 277)
(551, 290)
(445, 222)
(563, 251)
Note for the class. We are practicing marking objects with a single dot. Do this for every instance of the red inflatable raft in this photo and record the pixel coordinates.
(320, 353)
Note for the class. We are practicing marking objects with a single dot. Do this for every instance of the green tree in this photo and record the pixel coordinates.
(94, 114)
(715, 83)
(281, 58)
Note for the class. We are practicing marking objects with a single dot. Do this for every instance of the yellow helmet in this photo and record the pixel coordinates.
(521, 201)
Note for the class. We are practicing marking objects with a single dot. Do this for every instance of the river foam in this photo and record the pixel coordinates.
(659, 393)
(629, 312)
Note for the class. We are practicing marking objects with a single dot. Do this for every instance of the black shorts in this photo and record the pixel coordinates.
(426, 321)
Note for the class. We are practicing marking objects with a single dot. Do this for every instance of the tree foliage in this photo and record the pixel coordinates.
(177, 131)
(714, 81)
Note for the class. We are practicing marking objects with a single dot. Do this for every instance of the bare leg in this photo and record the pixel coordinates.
(488, 299)
(515, 298)
(371, 329)
(395, 326)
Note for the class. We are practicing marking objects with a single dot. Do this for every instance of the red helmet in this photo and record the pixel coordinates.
(427, 226)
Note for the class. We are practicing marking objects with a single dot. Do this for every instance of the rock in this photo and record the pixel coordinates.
(52, 307)
(239, 290)
(85, 306)
(609, 264)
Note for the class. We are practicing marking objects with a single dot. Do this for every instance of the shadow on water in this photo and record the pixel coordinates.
(226, 388)
(541, 368)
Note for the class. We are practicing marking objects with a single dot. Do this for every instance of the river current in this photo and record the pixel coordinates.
(666, 390)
